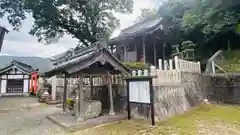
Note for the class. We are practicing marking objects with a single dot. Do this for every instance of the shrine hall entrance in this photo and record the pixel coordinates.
(15, 86)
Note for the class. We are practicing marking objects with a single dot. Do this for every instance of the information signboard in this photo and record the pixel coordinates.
(139, 92)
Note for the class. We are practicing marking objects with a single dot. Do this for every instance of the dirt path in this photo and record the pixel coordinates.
(27, 121)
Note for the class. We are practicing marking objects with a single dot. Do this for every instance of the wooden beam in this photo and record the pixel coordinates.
(111, 112)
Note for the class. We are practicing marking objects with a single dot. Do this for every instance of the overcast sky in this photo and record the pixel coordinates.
(23, 44)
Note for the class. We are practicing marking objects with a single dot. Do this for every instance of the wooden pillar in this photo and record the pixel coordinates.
(111, 112)
(80, 99)
(163, 50)
(65, 93)
(144, 49)
(125, 53)
(91, 85)
(154, 52)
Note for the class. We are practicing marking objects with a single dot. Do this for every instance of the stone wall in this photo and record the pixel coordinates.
(119, 97)
(174, 99)
(224, 88)
(169, 100)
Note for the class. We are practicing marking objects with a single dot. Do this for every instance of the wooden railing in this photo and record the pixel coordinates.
(169, 74)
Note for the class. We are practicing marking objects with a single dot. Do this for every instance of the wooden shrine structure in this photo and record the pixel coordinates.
(143, 41)
(87, 62)
(16, 79)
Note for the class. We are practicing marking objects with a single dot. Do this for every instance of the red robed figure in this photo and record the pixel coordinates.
(33, 86)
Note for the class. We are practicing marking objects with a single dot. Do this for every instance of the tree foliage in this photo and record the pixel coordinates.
(211, 16)
(145, 12)
(86, 20)
(14, 11)
(200, 21)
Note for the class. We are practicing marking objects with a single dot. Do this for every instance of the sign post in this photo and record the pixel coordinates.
(140, 90)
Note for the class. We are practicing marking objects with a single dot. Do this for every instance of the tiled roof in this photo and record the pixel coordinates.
(147, 25)
(24, 67)
(85, 58)
(142, 25)
(71, 54)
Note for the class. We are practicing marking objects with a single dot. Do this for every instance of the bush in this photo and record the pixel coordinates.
(32, 94)
(136, 65)
(69, 100)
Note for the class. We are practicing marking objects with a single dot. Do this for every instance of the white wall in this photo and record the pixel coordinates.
(15, 76)
(4, 83)
(25, 86)
(3, 86)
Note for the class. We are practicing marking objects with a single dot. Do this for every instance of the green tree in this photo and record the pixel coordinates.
(14, 11)
(202, 21)
(145, 12)
(211, 16)
(86, 20)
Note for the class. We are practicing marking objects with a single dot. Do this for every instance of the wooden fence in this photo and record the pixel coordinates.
(169, 74)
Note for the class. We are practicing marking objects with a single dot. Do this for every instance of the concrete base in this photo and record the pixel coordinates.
(71, 124)
(14, 95)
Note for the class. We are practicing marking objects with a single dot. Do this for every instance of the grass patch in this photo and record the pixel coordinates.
(232, 61)
(186, 124)
(43, 105)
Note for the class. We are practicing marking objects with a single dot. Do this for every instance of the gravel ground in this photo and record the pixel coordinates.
(31, 121)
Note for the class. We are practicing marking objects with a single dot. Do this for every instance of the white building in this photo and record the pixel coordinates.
(15, 79)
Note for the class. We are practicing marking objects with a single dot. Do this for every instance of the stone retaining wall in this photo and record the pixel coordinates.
(169, 100)
(174, 99)
(224, 89)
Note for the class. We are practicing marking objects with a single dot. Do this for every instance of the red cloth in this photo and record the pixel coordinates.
(33, 83)
(141, 59)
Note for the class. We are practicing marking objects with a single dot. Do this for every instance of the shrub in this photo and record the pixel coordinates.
(136, 65)
(69, 101)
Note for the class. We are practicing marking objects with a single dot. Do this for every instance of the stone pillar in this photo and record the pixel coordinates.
(54, 87)
(111, 112)
(80, 99)
(213, 67)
